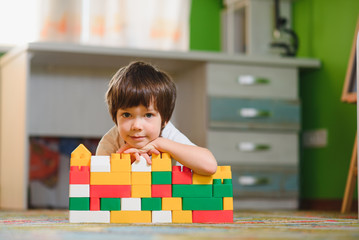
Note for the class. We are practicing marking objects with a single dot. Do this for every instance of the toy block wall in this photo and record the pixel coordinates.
(108, 189)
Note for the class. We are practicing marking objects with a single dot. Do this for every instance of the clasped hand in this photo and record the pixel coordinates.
(136, 153)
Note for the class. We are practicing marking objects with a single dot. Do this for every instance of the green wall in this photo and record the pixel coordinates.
(326, 30)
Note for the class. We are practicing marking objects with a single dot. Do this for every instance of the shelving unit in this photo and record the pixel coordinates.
(54, 89)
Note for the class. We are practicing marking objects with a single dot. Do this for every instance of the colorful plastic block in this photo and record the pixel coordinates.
(141, 166)
(80, 156)
(141, 191)
(89, 216)
(202, 204)
(110, 191)
(163, 190)
(223, 172)
(79, 203)
(171, 203)
(120, 162)
(110, 178)
(131, 204)
(227, 203)
(182, 216)
(79, 175)
(79, 190)
(161, 177)
(151, 204)
(184, 190)
(224, 216)
(94, 204)
(222, 190)
(141, 178)
(181, 177)
(110, 204)
(201, 179)
(100, 164)
(161, 163)
(131, 217)
(161, 216)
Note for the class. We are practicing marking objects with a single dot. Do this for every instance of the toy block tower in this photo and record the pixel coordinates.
(108, 189)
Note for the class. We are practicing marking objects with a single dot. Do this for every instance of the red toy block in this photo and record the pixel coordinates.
(181, 177)
(94, 204)
(212, 216)
(79, 175)
(110, 191)
(162, 190)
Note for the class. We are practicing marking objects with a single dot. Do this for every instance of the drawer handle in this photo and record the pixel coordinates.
(253, 113)
(251, 80)
(252, 181)
(252, 147)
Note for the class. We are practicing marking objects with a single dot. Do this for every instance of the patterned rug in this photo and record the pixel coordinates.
(249, 225)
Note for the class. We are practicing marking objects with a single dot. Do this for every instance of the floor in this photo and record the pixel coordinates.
(47, 224)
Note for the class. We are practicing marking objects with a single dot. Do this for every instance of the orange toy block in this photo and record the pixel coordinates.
(201, 179)
(141, 191)
(182, 216)
(120, 162)
(141, 178)
(161, 163)
(172, 203)
(110, 178)
(81, 156)
(227, 203)
(131, 217)
(223, 172)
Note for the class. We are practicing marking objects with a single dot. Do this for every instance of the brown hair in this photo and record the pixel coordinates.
(140, 83)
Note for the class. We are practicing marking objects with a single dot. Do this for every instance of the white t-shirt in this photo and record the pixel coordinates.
(112, 141)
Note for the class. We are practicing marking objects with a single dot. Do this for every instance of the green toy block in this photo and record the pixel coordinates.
(161, 177)
(222, 190)
(110, 204)
(202, 203)
(79, 203)
(151, 204)
(196, 190)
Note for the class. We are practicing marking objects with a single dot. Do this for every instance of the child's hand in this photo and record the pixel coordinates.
(145, 152)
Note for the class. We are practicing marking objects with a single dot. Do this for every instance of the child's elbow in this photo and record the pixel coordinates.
(211, 166)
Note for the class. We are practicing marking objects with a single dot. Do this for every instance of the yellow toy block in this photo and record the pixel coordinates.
(131, 217)
(81, 156)
(182, 216)
(227, 203)
(141, 178)
(141, 191)
(169, 203)
(120, 162)
(161, 164)
(223, 172)
(110, 178)
(201, 179)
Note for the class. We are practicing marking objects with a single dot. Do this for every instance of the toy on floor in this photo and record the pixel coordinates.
(108, 189)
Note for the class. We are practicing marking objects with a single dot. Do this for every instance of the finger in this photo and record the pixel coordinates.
(154, 151)
(137, 157)
(123, 148)
(147, 157)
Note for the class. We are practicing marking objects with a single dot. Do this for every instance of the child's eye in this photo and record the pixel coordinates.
(126, 115)
(148, 115)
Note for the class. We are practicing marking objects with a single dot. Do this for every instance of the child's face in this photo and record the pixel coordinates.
(139, 125)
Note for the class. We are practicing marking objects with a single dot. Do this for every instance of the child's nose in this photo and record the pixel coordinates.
(137, 124)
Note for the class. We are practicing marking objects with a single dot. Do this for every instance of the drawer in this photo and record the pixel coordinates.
(254, 113)
(254, 148)
(252, 81)
(264, 184)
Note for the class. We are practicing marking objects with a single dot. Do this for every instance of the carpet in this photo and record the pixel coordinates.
(251, 225)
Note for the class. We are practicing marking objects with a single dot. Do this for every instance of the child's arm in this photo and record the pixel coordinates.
(199, 159)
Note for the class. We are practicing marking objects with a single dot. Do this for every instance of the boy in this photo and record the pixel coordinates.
(141, 100)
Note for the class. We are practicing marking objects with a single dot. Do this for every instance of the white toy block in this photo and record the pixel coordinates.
(79, 190)
(131, 204)
(89, 216)
(141, 166)
(161, 216)
(100, 164)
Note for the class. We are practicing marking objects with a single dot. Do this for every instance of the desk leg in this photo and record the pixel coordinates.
(349, 188)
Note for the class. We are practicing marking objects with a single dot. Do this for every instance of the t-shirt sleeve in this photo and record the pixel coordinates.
(108, 143)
